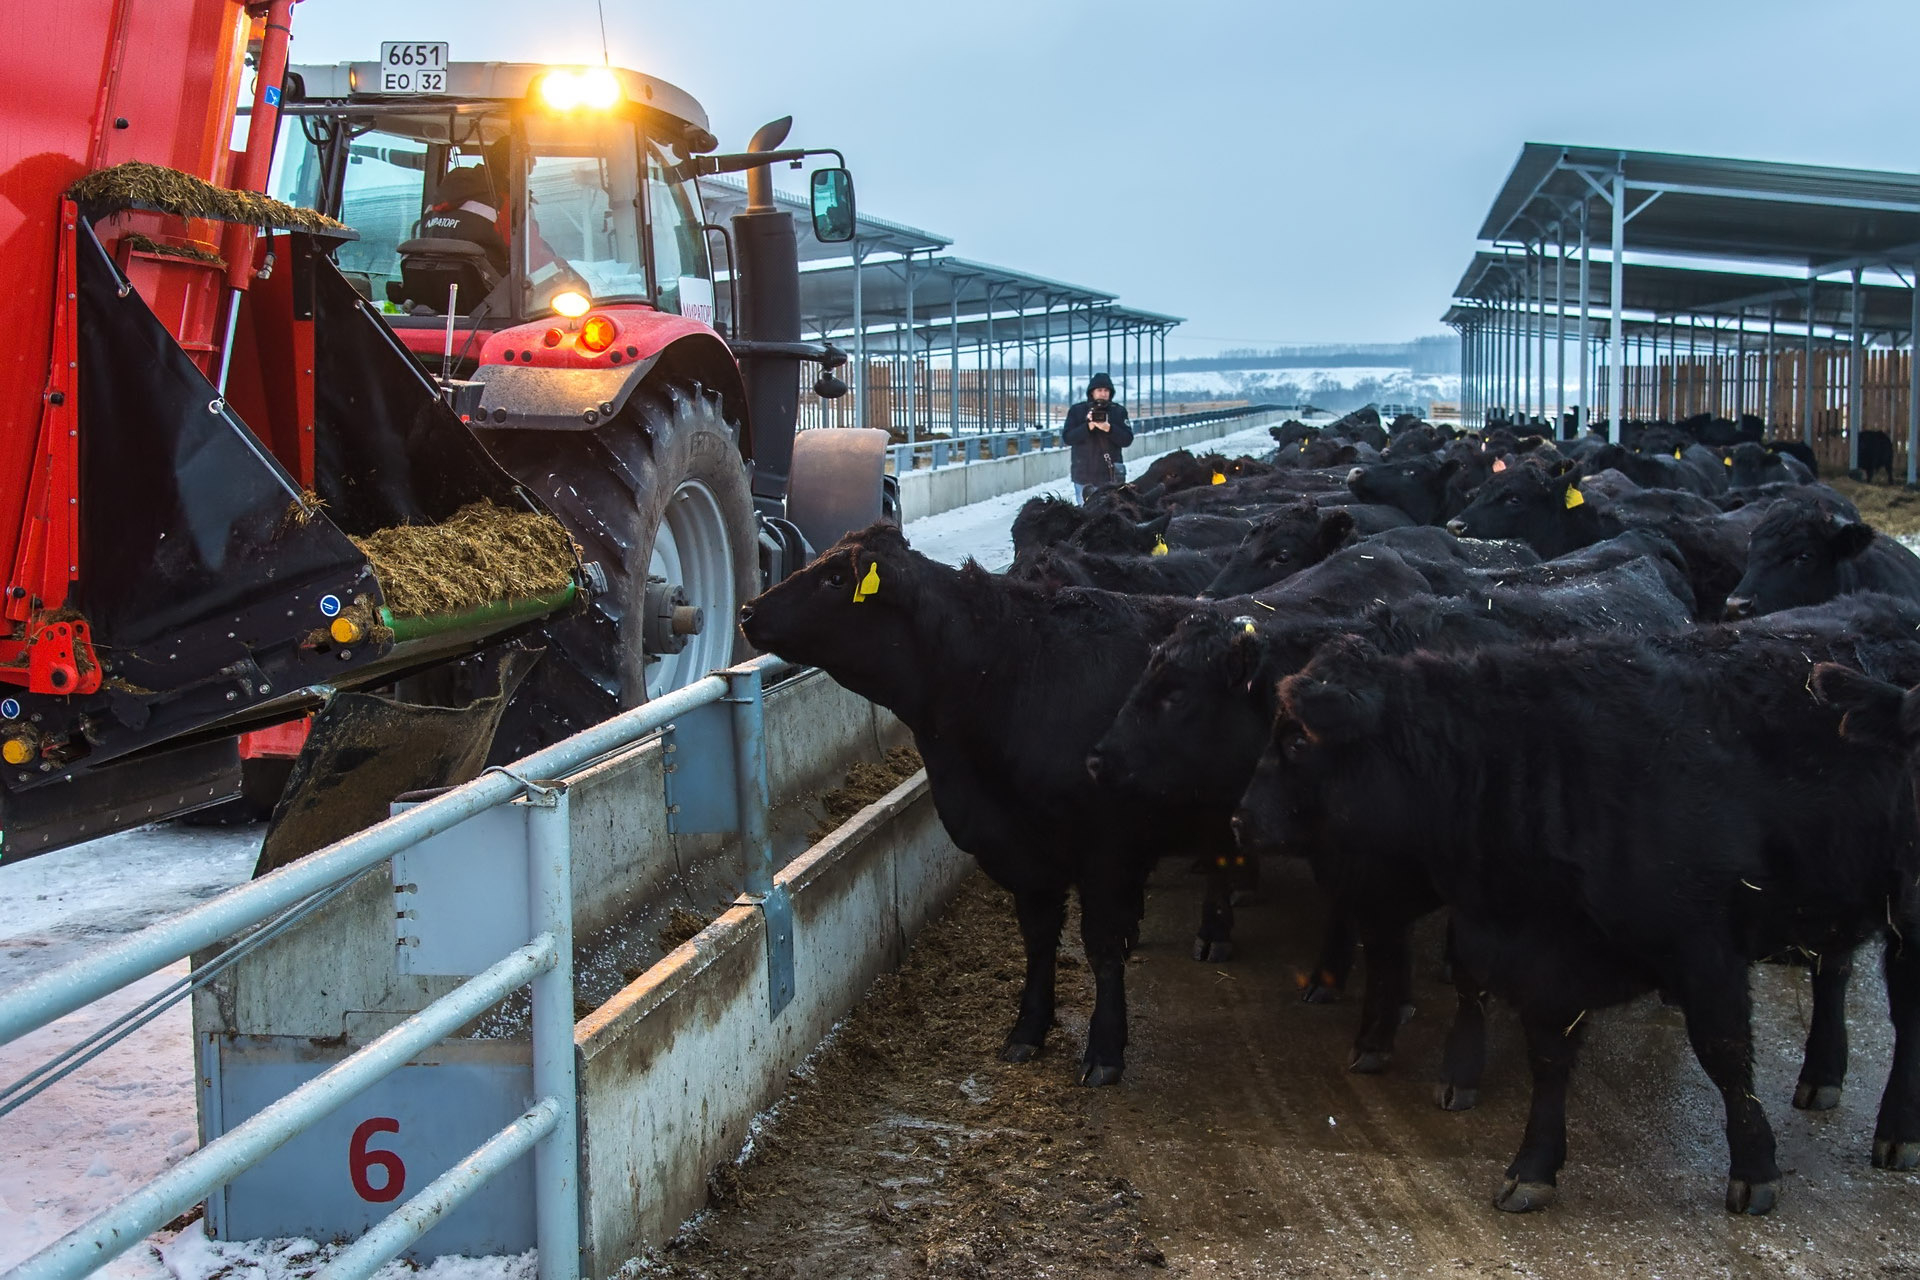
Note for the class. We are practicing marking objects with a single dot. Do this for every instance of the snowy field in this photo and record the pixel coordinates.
(92, 1138)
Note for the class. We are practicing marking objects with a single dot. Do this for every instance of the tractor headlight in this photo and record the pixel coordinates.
(596, 88)
(571, 303)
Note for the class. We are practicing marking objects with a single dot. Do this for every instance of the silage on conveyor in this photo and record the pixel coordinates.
(136, 184)
(482, 553)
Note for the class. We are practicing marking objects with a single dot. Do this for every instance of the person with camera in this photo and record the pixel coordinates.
(1097, 431)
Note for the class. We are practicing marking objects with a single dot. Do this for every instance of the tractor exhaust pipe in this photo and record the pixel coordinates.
(760, 178)
(769, 265)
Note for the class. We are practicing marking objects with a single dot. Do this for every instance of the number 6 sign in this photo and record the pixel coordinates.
(359, 1160)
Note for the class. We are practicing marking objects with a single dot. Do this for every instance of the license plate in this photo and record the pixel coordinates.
(413, 66)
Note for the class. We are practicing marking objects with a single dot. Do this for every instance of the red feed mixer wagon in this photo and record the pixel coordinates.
(232, 427)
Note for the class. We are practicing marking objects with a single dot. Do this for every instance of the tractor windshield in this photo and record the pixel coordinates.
(584, 211)
(581, 202)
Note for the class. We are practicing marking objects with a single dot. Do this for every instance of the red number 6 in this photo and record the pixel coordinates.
(359, 1159)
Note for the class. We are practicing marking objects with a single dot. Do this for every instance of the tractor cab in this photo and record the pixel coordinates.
(509, 194)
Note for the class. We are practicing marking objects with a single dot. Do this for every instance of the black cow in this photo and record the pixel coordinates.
(1193, 727)
(1756, 465)
(1798, 450)
(1550, 510)
(1281, 545)
(1006, 687)
(1609, 817)
(1876, 454)
(1430, 488)
(1174, 573)
(1802, 552)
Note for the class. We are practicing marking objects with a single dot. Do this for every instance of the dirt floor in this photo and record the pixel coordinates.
(1237, 1146)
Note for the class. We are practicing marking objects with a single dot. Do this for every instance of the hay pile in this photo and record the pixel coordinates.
(136, 184)
(480, 554)
(1893, 509)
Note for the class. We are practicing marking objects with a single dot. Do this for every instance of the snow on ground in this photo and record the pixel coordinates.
(91, 1139)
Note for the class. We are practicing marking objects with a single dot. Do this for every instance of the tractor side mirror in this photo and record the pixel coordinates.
(832, 192)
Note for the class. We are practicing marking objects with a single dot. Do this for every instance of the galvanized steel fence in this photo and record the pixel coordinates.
(726, 704)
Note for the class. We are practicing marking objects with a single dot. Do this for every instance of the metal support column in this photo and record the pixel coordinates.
(753, 795)
(1856, 380)
(859, 336)
(953, 358)
(1806, 369)
(1540, 328)
(1616, 335)
(556, 1175)
(1767, 371)
(1559, 330)
(1586, 334)
(1913, 384)
(913, 364)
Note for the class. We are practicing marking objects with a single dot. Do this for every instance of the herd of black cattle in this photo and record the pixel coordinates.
(1635, 713)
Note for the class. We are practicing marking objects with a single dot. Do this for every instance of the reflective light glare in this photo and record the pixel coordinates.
(594, 87)
(571, 303)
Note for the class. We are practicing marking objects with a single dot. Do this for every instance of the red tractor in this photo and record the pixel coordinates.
(487, 290)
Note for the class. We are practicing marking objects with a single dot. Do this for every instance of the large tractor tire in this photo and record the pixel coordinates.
(658, 498)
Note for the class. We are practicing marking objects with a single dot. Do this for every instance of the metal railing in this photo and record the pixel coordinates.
(939, 452)
(548, 1127)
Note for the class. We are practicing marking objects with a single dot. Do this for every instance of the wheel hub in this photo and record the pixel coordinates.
(690, 580)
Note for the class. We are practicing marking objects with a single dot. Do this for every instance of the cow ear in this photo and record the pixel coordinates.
(1871, 709)
(1243, 653)
(1562, 468)
(1334, 699)
(1851, 538)
(1449, 468)
(1158, 524)
(1335, 528)
(1344, 454)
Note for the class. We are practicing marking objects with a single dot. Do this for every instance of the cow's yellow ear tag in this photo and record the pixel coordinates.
(1219, 478)
(1499, 464)
(869, 585)
(1676, 455)
(1160, 547)
(1246, 625)
(1726, 462)
(1575, 498)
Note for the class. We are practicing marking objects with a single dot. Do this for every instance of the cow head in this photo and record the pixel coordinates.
(1416, 485)
(1045, 521)
(1328, 707)
(1193, 711)
(850, 612)
(1873, 712)
(1797, 556)
(1535, 503)
(1279, 546)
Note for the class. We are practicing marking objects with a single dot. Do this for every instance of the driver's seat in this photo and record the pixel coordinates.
(430, 264)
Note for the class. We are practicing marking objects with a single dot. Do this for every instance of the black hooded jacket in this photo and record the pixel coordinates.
(1097, 454)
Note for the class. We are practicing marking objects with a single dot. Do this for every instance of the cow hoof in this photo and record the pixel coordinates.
(1753, 1198)
(1318, 992)
(1212, 951)
(1369, 1062)
(1524, 1197)
(1014, 1051)
(1816, 1097)
(1888, 1154)
(1099, 1073)
(1456, 1097)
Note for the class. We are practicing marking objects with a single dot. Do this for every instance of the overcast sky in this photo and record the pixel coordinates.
(1276, 171)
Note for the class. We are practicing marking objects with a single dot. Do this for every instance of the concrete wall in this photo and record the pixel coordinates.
(674, 1067)
(334, 974)
(933, 490)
